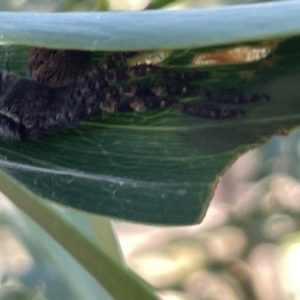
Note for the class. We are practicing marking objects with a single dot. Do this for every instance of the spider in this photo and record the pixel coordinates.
(62, 91)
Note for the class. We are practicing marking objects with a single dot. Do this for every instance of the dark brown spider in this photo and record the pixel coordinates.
(62, 92)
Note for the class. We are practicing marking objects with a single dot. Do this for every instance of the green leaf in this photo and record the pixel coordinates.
(158, 29)
(79, 241)
(161, 166)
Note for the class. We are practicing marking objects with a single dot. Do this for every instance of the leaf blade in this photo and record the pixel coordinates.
(116, 31)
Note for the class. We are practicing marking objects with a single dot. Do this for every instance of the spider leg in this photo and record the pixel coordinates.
(178, 81)
(30, 109)
(10, 128)
(231, 97)
(209, 113)
(137, 72)
(141, 98)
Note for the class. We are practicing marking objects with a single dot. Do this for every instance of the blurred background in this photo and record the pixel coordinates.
(247, 247)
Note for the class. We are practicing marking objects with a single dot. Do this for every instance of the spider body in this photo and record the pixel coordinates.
(31, 108)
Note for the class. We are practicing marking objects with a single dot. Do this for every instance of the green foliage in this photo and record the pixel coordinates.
(159, 167)
(115, 31)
